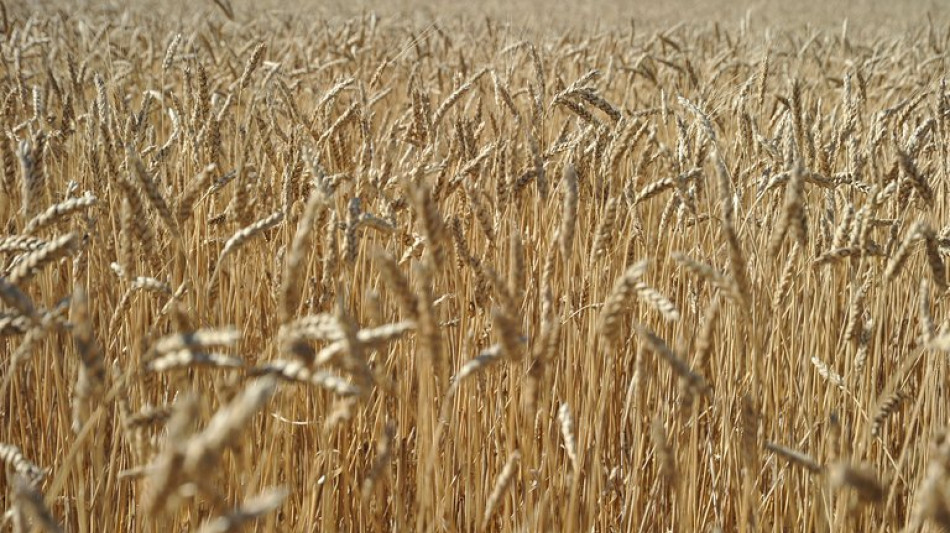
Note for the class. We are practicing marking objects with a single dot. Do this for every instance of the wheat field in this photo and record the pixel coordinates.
(278, 270)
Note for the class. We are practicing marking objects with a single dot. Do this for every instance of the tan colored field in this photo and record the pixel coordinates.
(530, 269)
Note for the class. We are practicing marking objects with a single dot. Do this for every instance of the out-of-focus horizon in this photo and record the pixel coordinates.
(860, 15)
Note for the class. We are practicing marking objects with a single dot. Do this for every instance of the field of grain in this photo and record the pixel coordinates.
(291, 271)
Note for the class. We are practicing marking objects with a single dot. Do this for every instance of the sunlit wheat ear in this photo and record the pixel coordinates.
(785, 281)
(198, 185)
(253, 509)
(928, 330)
(828, 373)
(487, 276)
(384, 454)
(604, 235)
(7, 156)
(33, 174)
(350, 234)
(455, 96)
(934, 259)
(900, 256)
(299, 372)
(623, 291)
(932, 503)
(664, 456)
(92, 372)
(151, 191)
(793, 221)
(204, 449)
(35, 261)
(136, 222)
(517, 272)
(13, 297)
(568, 212)
(165, 474)
(695, 382)
(397, 282)
(29, 499)
(916, 179)
(504, 479)
(292, 282)
(795, 457)
(509, 337)
(182, 359)
(146, 417)
(241, 237)
(36, 331)
(21, 243)
(654, 189)
(431, 225)
(170, 52)
(429, 334)
(750, 421)
(709, 274)
(886, 406)
(481, 209)
(203, 338)
(738, 269)
(704, 339)
(483, 360)
(252, 63)
(14, 324)
(566, 418)
(463, 255)
(58, 212)
(855, 323)
(844, 228)
(863, 481)
(657, 300)
(23, 467)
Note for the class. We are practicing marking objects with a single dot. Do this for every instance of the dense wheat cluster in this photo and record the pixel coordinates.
(368, 273)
